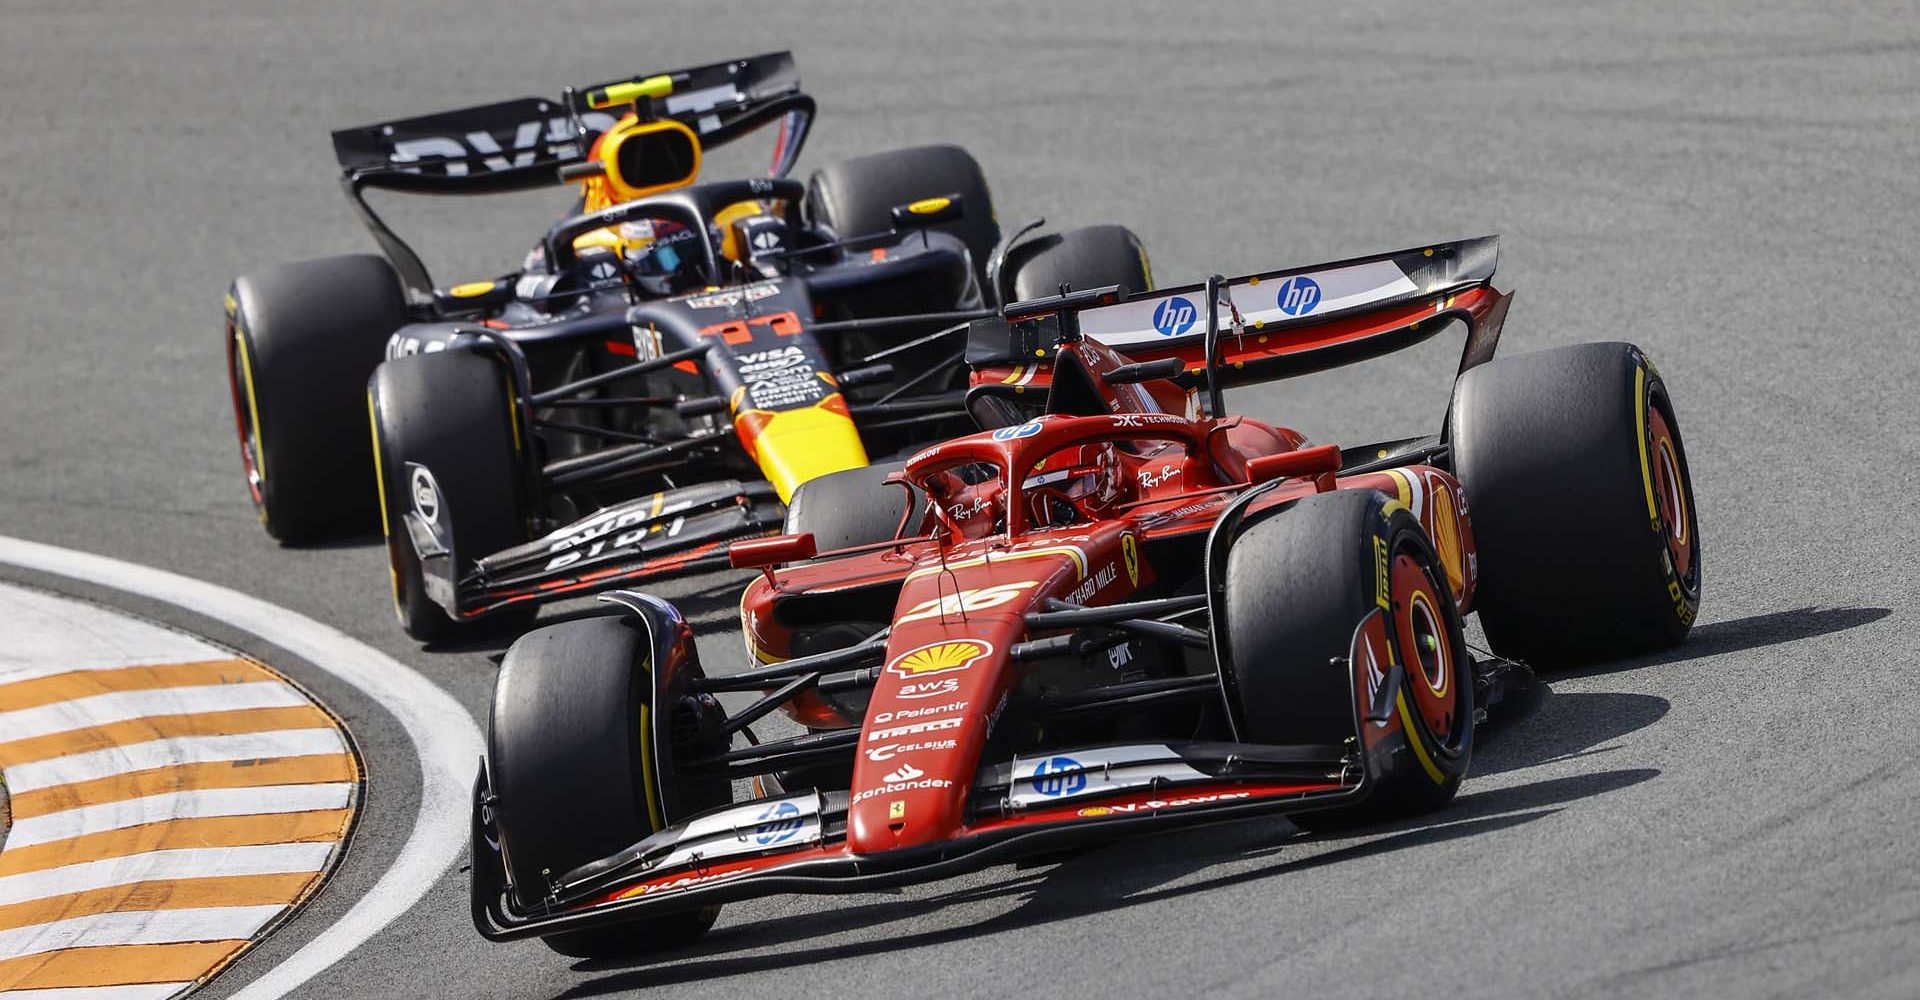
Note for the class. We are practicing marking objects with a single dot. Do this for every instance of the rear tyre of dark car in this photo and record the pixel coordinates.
(1300, 586)
(301, 340)
(573, 783)
(448, 455)
(857, 197)
(1582, 505)
(848, 508)
(1089, 257)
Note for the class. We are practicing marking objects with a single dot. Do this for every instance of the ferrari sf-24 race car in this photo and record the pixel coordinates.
(1114, 608)
(670, 363)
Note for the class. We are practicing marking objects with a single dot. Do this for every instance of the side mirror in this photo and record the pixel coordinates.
(929, 212)
(1320, 463)
(761, 553)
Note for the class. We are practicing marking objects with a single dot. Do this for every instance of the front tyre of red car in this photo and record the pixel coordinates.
(301, 340)
(1581, 502)
(1330, 578)
(572, 780)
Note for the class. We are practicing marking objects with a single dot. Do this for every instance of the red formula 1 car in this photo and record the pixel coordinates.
(1118, 607)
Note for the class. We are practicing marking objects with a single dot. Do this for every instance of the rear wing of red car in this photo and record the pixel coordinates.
(1290, 322)
(1271, 325)
(521, 144)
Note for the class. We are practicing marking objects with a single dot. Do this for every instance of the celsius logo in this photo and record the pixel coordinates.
(1298, 295)
(1026, 430)
(1057, 776)
(779, 823)
(1173, 317)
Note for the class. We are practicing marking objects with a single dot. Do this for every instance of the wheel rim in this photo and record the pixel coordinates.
(1670, 496)
(1422, 634)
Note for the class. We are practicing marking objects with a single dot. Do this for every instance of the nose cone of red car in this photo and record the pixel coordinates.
(926, 723)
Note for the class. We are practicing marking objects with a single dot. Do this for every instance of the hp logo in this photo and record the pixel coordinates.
(1174, 316)
(1018, 431)
(1049, 779)
(1298, 295)
(778, 824)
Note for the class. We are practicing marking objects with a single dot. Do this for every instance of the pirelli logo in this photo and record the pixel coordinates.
(1382, 584)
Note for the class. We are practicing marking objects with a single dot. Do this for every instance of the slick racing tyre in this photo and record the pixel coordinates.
(856, 197)
(1581, 502)
(1090, 257)
(848, 508)
(1301, 587)
(572, 781)
(448, 461)
(301, 340)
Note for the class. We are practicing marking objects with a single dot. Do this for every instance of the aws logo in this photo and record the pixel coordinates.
(939, 657)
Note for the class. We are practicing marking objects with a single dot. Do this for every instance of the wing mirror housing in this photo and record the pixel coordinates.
(761, 553)
(929, 212)
(1319, 463)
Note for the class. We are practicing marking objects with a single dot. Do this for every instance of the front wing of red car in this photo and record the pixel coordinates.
(797, 843)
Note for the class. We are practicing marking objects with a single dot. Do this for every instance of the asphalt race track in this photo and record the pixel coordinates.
(1731, 186)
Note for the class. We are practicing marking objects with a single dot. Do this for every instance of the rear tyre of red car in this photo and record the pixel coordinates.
(448, 453)
(573, 785)
(1089, 257)
(857, 197)
(1299, 586)
(301, 340)
(1582, 505)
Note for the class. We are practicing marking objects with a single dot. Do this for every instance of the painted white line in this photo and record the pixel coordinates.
(122, 706)
(138, 991)
(444, 738)
(156, 866)
(171, 753)
(103, 930)
(199, 804)
(48, 635)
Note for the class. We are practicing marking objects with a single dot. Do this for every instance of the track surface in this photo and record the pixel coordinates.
(1730, 186)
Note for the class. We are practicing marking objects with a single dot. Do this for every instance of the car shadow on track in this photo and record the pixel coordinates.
(1740, 634)
(1096, 880)
(1561, 726)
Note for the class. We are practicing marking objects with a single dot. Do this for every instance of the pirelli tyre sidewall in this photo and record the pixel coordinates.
(449, 455)
(1089, 257)
(574, 778)
(1301, 584)
(301, 340)
(1581, 501)
(856, 197)
(850, 507)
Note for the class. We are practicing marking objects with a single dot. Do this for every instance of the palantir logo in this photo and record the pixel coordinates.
(1051, 777)
(1298, 295)
(1174, 316)
(778, 824)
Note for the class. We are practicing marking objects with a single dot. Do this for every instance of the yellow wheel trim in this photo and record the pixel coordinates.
(253, 408)
(380, 483)
(1413, 740)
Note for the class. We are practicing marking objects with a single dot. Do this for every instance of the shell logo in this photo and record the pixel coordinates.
(940, 657)
(1093, 811)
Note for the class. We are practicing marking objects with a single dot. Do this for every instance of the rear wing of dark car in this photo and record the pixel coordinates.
(520, 144)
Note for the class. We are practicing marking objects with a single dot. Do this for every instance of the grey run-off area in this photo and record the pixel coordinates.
(1731, 186)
